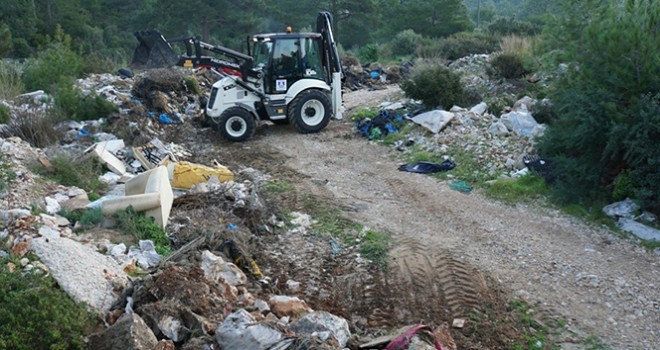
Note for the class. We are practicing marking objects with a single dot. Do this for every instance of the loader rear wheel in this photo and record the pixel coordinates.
(310, 111)
(236, 124)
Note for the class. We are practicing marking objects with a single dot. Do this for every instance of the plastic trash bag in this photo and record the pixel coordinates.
(427, 167)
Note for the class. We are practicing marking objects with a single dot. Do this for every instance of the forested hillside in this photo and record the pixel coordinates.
(605, 103)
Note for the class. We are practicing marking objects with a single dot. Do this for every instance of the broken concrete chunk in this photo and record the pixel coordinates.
(216, 269)
(86, 275)
(321, 321)
(240, 330)
(434, 120)
(130, 332)
(282, 305)
(498, 129)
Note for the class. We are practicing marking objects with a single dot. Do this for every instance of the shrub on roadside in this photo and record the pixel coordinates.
(36, 314)
(71, 104)
(434, 85)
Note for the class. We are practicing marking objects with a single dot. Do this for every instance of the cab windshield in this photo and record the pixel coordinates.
(261, 53)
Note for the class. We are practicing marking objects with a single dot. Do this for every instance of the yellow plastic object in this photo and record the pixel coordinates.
(184, 175)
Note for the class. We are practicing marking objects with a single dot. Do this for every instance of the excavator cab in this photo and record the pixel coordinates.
(286, 58)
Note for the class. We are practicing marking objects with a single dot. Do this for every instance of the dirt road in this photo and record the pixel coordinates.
(600, 284)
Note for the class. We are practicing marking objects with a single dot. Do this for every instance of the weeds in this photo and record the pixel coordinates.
(362, 113)
(276, 186)
(35, 314)
(83, 173)
(6, 174)
(374, 246)
(5, 114)
(33, 126)
(525, 189)
(143, 228)
(11, 84)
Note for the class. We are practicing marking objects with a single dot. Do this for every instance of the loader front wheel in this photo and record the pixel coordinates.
(310, 111)
(236, 124)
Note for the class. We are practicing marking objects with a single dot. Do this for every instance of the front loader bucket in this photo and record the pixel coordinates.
(153, 51)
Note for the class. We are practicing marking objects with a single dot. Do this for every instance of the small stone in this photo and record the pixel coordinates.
(11, 267)
(458, 323)
(293, 286)
(24, 262)
(288, 306)
(262, 306)
(52, 206)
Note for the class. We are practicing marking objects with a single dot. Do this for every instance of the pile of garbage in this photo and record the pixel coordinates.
(372, 76)
(501, 144)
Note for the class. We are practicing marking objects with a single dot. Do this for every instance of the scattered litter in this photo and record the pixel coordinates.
(185, 175)
(402, 342)
(458, 323)
(428, 167)
(153, 154)
(460, 186)
(113, 163)
(232, 227)
(336, 248)
(434, 120)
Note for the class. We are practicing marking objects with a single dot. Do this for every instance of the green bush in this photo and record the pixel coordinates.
(83, 173)
(459, 45)
(434, 85)
(508, 25)
(72, 104)
(36, 314)
(5, 114)
(54, 64)
(368, 53)
(192, 85)
(508, 66)
(142, 227)
(405, 43)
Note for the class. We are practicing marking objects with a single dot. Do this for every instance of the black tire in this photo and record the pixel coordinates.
(236, 124)
(310, 111)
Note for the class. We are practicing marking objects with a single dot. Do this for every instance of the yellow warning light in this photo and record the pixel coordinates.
(289, 30)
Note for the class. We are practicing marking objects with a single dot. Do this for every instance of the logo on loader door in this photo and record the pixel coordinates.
(280, 85)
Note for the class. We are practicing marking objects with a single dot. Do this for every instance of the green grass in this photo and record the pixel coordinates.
(277, 186)
(83, 173)
(536, 339)
(6, 174)
(374, 246)
(36, 314)
(362, 113)
(144, 228)
(527, 189)
(593, 343)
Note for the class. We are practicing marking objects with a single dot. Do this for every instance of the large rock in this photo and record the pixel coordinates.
(241, 331)
(86, 275)
(215, 269)
(522, 124)
(128, 333)
(480, 108)
(282, 305)
(638, 229)
(321, 322)
(434, 120)
(498, 129)
(625, 208)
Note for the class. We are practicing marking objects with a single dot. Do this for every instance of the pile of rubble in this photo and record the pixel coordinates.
(500, 144)
(373, 76)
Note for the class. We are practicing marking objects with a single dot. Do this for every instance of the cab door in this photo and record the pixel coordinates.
(285, 65)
